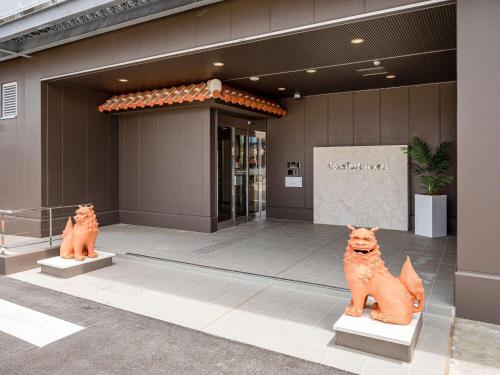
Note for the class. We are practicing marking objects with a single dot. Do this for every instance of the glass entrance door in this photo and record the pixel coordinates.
(241, 175)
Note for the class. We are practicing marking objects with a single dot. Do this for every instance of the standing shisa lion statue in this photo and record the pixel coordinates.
(79, 239)
(367, 275)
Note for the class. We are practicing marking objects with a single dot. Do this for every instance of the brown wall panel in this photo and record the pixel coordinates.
(191, 162)
(367, 118)
(54, 145)
(73, 145)
(424, 113)
(97, 151)
(132, 162)
(394, 116)
(80, 151)
(341, 119)
(478, 130)
(167, 168)
(380, 117)
(149, 150)
(316, 135)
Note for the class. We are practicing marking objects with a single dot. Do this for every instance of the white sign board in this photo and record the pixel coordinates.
(361, 185)
(293, 182)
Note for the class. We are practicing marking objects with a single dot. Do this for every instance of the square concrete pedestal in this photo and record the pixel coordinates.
(375, 337)
(66, 268)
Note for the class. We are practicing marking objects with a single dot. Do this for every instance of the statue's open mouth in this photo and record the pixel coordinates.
(362, 251)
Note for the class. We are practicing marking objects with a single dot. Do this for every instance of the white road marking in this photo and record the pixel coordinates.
(32, 326)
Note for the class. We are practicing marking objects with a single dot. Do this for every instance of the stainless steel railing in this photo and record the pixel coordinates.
(6, 215)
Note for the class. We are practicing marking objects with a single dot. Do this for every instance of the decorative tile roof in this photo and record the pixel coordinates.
(200, 92)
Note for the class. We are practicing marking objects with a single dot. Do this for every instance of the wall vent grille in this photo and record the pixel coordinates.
(9, 100)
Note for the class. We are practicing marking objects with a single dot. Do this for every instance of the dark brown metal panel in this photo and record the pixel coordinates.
(190, 162)
(170, 155)
(121, 161)
(331, 9)
(54, 144)
(249, 18)
(478, 135)
(213, 27)
(448, 112)
(207, 162)
(424, 113)
(73, 145)
(341, 119)
(288, 13)
(367, 118)
(285, 141)
(149, 161)
(213, 164)
(316, 135)
(394, 116)
(97, 143)
(114, 162)
(132, 162)
(372, 5)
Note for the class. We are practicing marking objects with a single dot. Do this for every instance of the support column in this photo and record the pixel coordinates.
(478, 145)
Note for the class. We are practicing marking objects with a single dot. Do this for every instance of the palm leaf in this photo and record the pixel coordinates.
(430, 168)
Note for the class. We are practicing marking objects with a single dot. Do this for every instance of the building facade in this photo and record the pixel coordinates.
(165, 165)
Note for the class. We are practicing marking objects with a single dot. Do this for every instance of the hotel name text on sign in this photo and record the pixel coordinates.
(348, 166)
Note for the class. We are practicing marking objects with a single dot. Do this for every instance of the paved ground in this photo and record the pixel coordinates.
(283, 317)
(120, 342)
(290, 249)
(476, 348)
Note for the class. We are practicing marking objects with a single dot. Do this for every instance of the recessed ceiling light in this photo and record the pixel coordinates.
(281, 88)
(376, 63)
(357, 41)
(310, 71)
(122, 79)
(218, 63)
(390, 76)
(254, 78)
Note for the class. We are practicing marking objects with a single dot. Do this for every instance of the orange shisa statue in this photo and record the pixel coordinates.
(367, 275)
(79, 239)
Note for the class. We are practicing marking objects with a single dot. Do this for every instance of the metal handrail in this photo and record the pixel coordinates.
(4, 213)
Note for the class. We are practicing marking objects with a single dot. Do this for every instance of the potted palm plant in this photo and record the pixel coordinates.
(430, 207)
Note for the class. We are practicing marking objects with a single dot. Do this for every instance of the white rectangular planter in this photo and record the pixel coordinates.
(430, 215)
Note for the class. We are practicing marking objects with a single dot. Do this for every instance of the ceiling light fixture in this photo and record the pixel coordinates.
(310, 71)
(122, 79)
(281, 88)
(376, 63)
(357, 41)
(218, 63)
(254, 78)
(390, 76)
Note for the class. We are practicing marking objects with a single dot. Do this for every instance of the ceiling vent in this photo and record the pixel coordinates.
(9, 100)
(375, 71)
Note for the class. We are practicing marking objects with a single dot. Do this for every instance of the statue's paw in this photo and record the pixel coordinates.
(93, 255)
(353, 311)
(80, 258)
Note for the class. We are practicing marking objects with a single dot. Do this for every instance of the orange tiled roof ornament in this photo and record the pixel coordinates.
(367, 275)
(79, 239)
(212, 89)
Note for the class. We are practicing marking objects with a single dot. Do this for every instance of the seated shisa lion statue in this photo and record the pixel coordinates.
(79, 239)
(367, 275)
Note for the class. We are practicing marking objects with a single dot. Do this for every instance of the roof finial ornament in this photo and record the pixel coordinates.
(214, 85)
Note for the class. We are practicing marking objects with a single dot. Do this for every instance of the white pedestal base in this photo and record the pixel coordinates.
(66, 268)
(376, 337)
